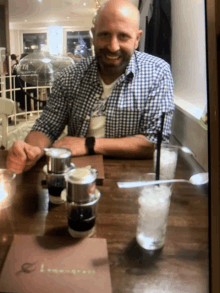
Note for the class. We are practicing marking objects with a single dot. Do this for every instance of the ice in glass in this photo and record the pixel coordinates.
(154, 204)
(168, 161)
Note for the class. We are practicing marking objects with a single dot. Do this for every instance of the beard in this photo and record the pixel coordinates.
(117, 65)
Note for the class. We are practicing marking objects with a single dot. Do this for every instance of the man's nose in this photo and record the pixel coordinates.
(113, 44)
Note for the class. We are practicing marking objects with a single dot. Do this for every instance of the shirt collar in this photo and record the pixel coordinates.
(93, 72)
(132, 67)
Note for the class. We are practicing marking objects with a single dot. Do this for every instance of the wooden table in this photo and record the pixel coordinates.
(182, 264)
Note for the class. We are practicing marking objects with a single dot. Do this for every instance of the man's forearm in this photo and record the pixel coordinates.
(127, 147)
(39, 139)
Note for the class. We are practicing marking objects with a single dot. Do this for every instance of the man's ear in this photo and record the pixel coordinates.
(138, 37)
(93, 31)
(93, 34)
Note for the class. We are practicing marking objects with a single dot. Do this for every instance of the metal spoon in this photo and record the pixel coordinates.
(182, 148)
(197, 179)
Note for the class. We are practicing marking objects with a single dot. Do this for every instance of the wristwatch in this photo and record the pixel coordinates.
(90, 142)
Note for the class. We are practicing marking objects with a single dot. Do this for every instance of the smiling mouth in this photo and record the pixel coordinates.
(112, 57)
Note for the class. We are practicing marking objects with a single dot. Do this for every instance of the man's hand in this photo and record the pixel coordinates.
(22, 156)
(75, 144)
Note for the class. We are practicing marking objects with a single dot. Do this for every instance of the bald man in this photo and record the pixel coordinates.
(112, 103)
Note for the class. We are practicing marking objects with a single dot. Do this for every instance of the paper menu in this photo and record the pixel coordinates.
(52, 264)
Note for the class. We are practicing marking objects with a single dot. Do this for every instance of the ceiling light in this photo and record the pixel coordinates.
(39, 0)
(46, 60)
(84, 4)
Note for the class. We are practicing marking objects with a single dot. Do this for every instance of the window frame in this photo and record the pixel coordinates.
(22, 32)
(74, 29)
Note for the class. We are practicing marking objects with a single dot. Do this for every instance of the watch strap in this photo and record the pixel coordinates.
(90, 143)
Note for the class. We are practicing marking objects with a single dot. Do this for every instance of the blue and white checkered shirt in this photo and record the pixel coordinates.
(135, 105)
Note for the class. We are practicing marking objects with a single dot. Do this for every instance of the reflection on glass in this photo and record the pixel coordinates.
(79, 44)
(41, 68)
(3, 192)
(33, 42)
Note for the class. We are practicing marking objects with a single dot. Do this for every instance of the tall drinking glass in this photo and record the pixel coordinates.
(154, 204)
(168, 161)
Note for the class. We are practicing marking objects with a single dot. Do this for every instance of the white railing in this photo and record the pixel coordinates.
(18, 124)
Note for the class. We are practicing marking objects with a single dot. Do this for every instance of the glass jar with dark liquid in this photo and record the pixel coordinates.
(82, 201)
(56, 184)
(82, 217)
(58, 164)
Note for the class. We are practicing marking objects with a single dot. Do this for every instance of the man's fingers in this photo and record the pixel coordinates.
(32, 152)
(22, 156)
(15, 163)
(16, 160)
(18, 152)
(13, 167)
(19, 155)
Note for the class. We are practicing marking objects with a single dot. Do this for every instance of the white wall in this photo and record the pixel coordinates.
(15, 42)
(189, 74)
(189, 51)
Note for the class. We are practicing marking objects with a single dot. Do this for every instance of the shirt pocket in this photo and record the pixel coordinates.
(125, 122)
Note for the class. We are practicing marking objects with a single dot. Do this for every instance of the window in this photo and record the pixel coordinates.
(78, 43)
(34, 42)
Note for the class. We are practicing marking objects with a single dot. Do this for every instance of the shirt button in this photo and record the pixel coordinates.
(87, 117)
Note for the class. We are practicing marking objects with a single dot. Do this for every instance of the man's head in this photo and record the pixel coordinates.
(116, 35)
(13, 57)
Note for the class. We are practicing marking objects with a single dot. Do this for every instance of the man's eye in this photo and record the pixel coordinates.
(123, 36)
(103, 35)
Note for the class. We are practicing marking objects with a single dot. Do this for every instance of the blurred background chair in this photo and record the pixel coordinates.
(7, 107)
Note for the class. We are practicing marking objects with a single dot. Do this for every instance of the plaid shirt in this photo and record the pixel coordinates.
(135, 105)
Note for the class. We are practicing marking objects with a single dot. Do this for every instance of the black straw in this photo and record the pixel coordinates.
(159, 140)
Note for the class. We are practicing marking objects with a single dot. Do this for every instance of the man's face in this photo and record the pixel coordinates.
(115, 40)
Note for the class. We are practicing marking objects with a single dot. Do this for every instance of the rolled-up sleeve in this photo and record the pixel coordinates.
(55, 114)
(159, 101)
